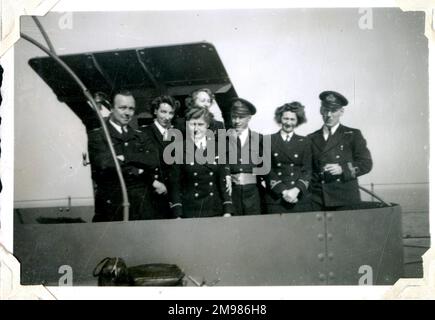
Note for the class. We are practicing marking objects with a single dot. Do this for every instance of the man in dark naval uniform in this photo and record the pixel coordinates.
(340, 156)
(247, 145)
(138, 159)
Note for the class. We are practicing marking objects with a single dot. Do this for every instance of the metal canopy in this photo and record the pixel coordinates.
(175, 69)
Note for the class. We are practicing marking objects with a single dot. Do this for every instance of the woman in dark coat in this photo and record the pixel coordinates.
(290, 175)
(197, 186)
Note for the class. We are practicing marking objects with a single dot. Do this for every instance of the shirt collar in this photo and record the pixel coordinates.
(333, 129)
(284, 135)
(159, 126)
(202, 142)
(244, 135)
(117, 126)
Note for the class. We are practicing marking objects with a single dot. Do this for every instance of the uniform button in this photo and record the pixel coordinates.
(323, 181)
(195, 173)
(211, 173)
(275, 154)
(156, 176)
(292, 174)
(108, 201)
(292, 182)
(191, 163)
(292, 164)
(211, 193)
(126, 144)
(296, 155)
(241, 169)
(279, 173)
(338, 180)
(211, 183)
(279, 164)
(156, 169)
(240, 159)
(196, 195)
(196, 184)
(338, 157)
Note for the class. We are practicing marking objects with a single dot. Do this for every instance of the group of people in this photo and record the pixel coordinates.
(312, 173)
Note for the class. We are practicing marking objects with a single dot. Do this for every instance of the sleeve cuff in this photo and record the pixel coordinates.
(302, 185)
(277, 187)
(177, 210)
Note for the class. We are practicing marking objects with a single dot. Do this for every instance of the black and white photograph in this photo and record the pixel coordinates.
(222, 147)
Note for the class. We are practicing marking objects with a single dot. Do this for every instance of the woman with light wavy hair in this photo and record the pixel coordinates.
(204, 98)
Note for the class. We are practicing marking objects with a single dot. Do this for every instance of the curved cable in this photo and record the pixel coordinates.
(44, 34)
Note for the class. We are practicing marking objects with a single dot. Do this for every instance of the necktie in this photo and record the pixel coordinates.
(287, 138)
(124, 131)
(201, 148)
(328, 133)
(165, 135)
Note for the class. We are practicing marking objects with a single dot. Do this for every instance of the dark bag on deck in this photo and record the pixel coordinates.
(112, 272)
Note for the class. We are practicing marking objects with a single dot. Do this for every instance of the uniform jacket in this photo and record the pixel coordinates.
(246, 154)
(139, 169)
(199, 190)
(157, 139)
(291, 166)
(348, 148)
(161, 201)
(247, 199)
(141, 162)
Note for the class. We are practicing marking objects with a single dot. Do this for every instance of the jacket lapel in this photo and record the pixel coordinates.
(283, 146)
(190, 153)
(334, 139)
(208, 149)
(318, 140)
(114, 134)
(157, 135)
